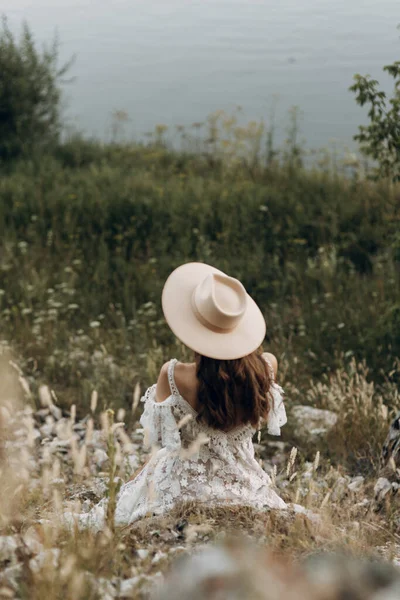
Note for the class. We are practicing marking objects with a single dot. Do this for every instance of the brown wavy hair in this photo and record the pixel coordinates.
(233, 392)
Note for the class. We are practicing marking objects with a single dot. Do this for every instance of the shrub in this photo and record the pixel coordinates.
(29, 94)
(381, 138)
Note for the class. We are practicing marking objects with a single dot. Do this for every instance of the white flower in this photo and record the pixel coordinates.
(73, 306)
(184, 481)
(94, 324)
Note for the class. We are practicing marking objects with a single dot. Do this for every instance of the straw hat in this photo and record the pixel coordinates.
(212, 313)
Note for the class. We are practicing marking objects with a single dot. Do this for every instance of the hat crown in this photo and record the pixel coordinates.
(219, 302)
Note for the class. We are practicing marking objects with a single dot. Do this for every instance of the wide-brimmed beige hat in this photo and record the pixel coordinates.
(212, 313)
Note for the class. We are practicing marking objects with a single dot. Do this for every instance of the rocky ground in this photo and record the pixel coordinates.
(53, 462)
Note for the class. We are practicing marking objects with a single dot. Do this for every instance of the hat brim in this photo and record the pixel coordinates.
(247, 336)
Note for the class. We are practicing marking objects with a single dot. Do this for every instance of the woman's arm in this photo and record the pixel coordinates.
(163, 391)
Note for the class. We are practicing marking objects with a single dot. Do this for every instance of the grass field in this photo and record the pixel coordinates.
(89, 235)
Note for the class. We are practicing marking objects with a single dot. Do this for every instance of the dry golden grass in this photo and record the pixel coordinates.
(47, 560)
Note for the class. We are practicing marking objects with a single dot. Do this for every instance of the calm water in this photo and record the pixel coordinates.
(175, 61)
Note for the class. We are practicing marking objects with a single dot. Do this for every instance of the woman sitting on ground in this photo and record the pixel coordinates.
(200, 417)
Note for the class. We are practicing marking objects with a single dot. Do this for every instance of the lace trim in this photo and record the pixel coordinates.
(270, 369)
(171, 378)
(277, 415)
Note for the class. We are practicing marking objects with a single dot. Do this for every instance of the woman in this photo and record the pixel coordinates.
(200, 418)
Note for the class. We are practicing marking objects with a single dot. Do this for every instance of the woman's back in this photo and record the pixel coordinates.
(196, 462)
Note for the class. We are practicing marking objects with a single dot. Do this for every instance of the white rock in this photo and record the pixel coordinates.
(100, 457)
(356, 483)
(142, 553)
(382, 487)
(47, 430)
(42, 413)
(312, 423)
(339, 489)
(56, 412)
(128, 587)
(32, 541)
(36, 434)
(312, 516)
(46, 557)
(157, 557)
(11, 574)
(8, 547)
(103, 587)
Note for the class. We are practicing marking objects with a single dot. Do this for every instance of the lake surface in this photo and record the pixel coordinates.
(176, 61)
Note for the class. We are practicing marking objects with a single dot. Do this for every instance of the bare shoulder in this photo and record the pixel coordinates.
(162, 389)
(271, 358)
(185, 374)
(186, 382)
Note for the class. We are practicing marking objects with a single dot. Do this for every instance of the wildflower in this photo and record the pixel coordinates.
(292, 458)
(73, 306)
(316, 460)
(94, 324)
(136, 397)
(273, 475)
(93, 401)
(121, 414)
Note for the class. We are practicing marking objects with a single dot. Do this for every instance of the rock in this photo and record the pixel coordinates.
(48, 430)
(128, 587)
(142, 553)
(356, 484)
(231, 572)
(57, 445)
(8, 548)
(100, 457)
(340, 489)
(42, 414)
(239, 570)
(56, 412)
(158, 557)
(49, 556)
(301, 510)
(10, 575)
(32, 541)
(312, 423)
(347, 577)
(384, 491)
(102, 587)
(36, 434)
(381, 488)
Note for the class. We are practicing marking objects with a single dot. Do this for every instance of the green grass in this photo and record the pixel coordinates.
(90, 234)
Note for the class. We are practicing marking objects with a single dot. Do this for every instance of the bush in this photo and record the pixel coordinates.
(29, 94)
(381, 138)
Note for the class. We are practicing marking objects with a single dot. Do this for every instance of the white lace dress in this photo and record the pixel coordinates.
(191, 461)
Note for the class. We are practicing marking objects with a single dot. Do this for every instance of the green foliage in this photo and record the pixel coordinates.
(90, 236)
(29, 94)
(381, 138)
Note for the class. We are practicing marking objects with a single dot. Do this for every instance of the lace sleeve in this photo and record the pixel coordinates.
(277, 414)
(159, 422)
(150, 419)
